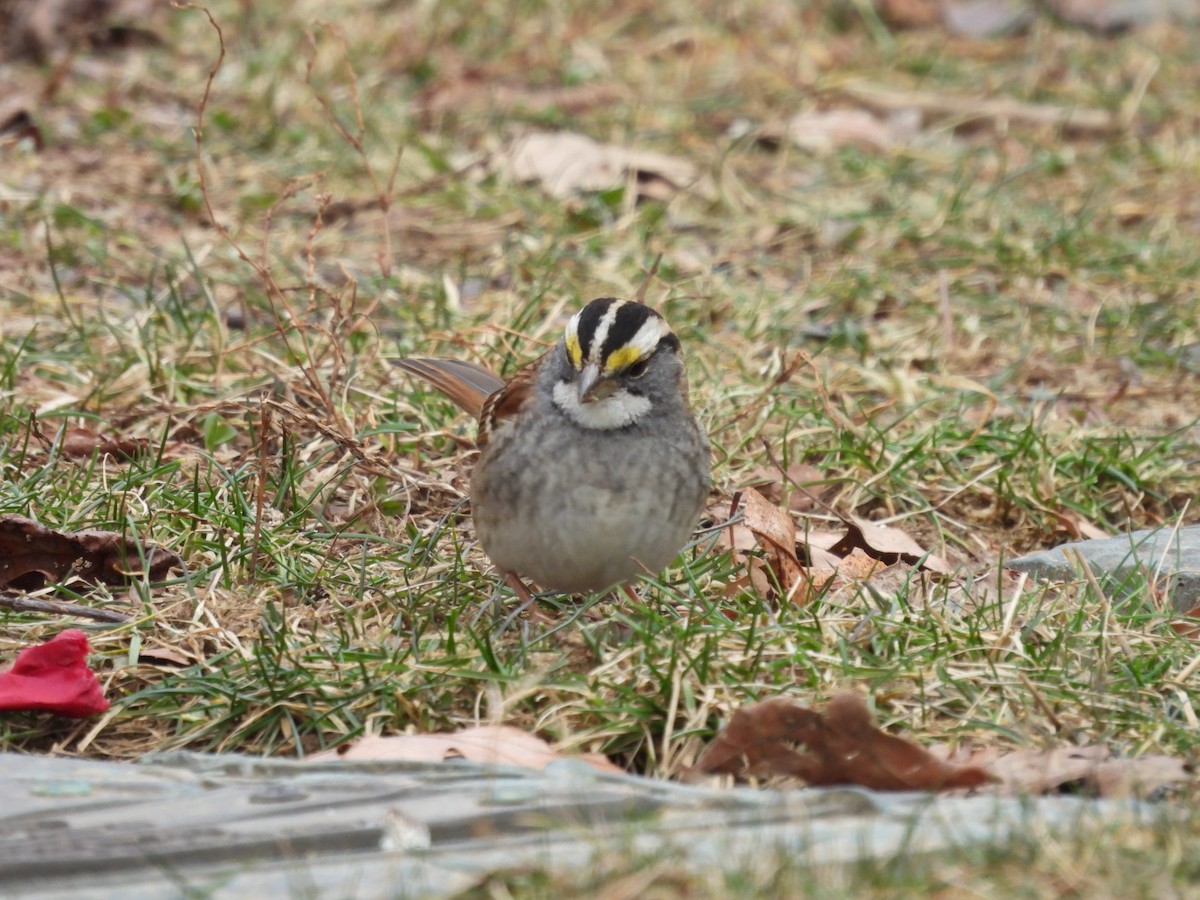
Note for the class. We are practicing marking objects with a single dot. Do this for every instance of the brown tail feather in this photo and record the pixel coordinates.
(465, 383)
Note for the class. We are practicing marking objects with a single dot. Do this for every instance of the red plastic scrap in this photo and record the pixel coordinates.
(54, 677)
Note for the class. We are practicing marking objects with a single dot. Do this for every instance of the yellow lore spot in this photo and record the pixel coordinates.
(574, 351)
(621, 359)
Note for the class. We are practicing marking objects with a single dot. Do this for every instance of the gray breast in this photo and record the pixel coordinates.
(601, 509)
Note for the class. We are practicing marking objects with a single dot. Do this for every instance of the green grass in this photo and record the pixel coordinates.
(989, 327)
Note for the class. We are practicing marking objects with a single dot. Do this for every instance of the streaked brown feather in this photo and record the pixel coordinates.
(489, 399)
(506, 403)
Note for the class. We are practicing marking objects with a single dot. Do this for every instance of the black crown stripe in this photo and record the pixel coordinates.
(630, 319)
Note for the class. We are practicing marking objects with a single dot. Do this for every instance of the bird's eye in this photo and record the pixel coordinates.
(638, 369)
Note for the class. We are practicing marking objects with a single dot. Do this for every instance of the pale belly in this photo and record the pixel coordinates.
(593, 525)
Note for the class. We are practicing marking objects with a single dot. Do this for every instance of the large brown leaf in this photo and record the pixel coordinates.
(842, 746)
(32, 556)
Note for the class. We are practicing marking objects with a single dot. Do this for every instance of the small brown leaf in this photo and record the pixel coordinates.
(843, 747)
(759, 575)
(756, 580)
(775, 532)
(823, 131)
(83, 443)
(1190, 627)
(909, 13)
(162, 655)
(32, 556)
(1076, 527)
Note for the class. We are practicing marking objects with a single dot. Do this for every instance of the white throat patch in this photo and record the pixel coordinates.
(615, 411)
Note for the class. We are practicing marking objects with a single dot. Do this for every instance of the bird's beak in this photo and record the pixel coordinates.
(592, 386)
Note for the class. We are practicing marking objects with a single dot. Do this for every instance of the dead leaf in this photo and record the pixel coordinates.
(1074, 525)
(813, 583)
(792, 485)
(858, 566)
(768, 523)
(909, 13)
(32, 556)
(566, 164)
(162, 655)
(823, 131)
(17, 124)
(734, 535)
(490, 744)
(889, 544)
(986, 18)
(842, 744)
(775, 533)
(1092, 770)
(771, 529)
(815, 545)
(44, 29)
(739, 540)
(1190, 626)
(818, 557)
(1140, 776)
(83, 443)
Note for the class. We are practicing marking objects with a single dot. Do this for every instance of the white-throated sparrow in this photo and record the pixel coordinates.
(592, 469)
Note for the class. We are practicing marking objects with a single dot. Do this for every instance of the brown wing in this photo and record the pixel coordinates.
(506, 403)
